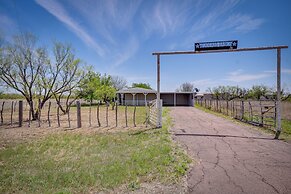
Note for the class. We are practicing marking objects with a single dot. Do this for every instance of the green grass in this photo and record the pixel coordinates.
(81, 163)
(286, 124)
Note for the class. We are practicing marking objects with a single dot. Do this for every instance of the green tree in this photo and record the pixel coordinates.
(106, 92)
(228, 92)
(97, 87)
(258, 91)
(141, 85)
(90, 84)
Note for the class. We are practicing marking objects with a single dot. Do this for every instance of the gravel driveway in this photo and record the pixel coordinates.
(231, 157)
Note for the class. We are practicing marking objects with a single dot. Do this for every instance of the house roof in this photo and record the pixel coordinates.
(135, 90)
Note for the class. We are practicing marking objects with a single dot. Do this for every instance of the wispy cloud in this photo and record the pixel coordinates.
(6, 22)
(130, 49)
(57, 10)
(167, 16)
(242, 23)
(107, 17)
(240, 76)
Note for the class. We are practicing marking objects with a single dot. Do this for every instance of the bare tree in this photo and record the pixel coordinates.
(118, 82)
(63, 78)
(20, 65)
(28, 69)
(187, 87)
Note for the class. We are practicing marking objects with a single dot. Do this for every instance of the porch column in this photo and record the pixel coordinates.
(118, 98)
(122, 103)
(175, 99)
(145, 99)
(133, 99)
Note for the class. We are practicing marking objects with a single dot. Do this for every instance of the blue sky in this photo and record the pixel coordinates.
(118, 36)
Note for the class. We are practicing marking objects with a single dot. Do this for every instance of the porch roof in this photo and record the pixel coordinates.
(136, 91)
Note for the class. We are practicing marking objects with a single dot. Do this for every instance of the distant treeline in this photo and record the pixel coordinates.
(11, 96)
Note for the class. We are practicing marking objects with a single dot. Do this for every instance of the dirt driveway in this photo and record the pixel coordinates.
(231, 157)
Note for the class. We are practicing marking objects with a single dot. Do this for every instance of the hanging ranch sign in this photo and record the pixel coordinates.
(218, 45)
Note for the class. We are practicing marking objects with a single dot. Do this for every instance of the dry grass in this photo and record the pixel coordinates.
(12, 133)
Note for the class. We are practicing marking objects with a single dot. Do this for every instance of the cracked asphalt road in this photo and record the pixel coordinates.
(231, 157)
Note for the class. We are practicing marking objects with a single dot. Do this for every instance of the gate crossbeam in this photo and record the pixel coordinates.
(278, 48)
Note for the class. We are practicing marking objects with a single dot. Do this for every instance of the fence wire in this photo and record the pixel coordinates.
(260, 113)
(92, 115)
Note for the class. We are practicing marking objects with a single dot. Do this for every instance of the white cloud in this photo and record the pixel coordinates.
(57, 10)
(239, 76)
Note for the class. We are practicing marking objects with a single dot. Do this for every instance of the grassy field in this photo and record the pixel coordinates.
(82, 162)
(286, 124)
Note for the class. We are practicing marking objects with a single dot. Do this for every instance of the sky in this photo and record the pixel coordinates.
(118, 37)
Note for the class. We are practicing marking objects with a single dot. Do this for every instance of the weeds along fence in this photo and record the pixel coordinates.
(16, 113)
(259, 113)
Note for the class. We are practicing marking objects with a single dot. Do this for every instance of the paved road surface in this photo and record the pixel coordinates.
(231, 157)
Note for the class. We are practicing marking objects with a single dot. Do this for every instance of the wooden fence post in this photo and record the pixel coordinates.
(107, 105)
(147, 116)
(90, 111)
(250, 111)
(134, 110)
(29, 115)
(2, 108)
(48, 113)
(262, 115)
(11, 115)
(126, 116)
(275, 118)
(116, 119)
(98, 110)
(227, 107)
(39, 112)
(20, 111)
(79, 123)
(15, 106)
(242, 109)
(69, 118)
(58, 116)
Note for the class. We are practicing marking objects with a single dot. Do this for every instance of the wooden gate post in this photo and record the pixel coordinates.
(278, 108)
(79, 123)
(20, 115)
(159, 105)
